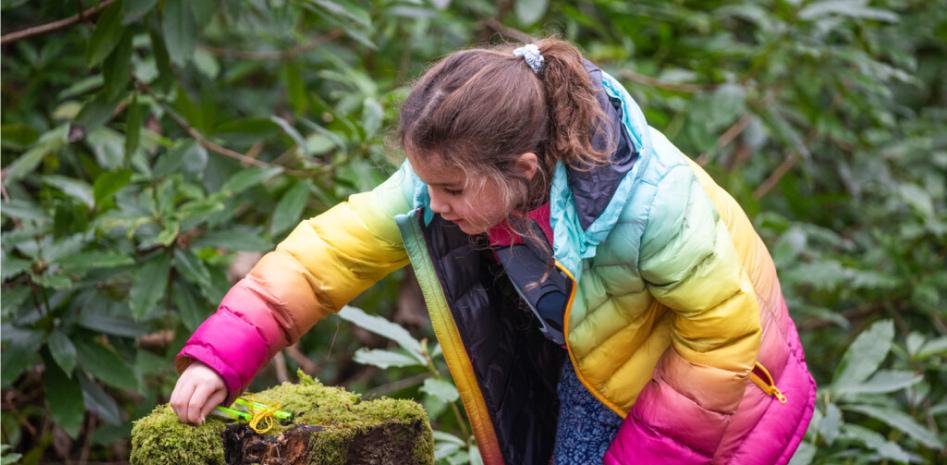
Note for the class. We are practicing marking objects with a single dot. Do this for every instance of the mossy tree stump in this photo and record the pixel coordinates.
(330, 427)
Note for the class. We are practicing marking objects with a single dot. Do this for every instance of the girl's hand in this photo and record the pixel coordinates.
(198, 391)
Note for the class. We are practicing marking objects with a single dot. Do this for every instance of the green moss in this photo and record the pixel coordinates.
(161, 439)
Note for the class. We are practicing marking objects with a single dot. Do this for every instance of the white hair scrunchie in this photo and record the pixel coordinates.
(530, 53)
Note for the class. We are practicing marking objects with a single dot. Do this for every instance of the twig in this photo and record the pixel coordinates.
(55, 25)
(506, 31)
(212, 146)
(279, 361)
(87, 441)
(275, 54)
(396, 386)
(727, 137)
(634, 76)
(776, 175)
(300, 358)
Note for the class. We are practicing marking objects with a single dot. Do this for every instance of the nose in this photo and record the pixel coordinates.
(438, 205)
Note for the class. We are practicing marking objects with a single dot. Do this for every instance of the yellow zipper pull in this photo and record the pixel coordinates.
(768, 386)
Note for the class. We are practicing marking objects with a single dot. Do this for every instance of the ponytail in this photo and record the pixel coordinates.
(574, 112)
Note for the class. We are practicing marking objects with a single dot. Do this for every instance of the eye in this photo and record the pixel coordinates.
(453, 192)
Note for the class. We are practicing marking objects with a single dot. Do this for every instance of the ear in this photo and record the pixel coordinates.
(527, 164)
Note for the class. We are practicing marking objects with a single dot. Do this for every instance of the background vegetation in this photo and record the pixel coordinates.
(152, 147)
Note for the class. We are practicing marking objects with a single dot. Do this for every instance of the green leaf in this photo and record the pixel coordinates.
(13, 297)
(166, 75)
(372, 116)
(135, 9)
(149, 286)
(171, 161)
(475, 458)
(877, 443)
(95, 259)
(205, 62)
(804, 454)
(234, 240)
(446, 444)
(248, 178)
(169, 233)
(17, 136)
(384, 359)
(295, 86)
(108, 183)
(105, 365)
(75, 188)
(99, 321)
(63, 351)
(180, 31)
(850, 8)
(106, 144)
(865, 354)
(191, 267)
(345, 9)
(882, 382)
(530, 11)
(49, 142)
(900, 421)
(317, 144)
(290, 131)
(384, 328)
(442, 389)
(25, 210)
(117, 68)
(96, 112)
(63, 400)
(98, 401)
(20, 347)
(192, 312)
(133, 121)
(932, 348)
(12, 267)
(108, 32)
(290, 208)
(831, 423)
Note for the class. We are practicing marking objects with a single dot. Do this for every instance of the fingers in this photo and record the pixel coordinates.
(215, 399)
(181, 396)
(197, 392)
(196, 404)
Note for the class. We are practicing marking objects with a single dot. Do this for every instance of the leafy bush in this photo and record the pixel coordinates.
(149, 144)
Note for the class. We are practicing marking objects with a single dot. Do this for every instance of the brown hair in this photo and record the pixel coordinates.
(479, 109)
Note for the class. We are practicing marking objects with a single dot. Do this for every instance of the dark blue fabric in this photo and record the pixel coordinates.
(586, 427)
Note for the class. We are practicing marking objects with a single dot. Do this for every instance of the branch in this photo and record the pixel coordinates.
(275, 54)
(776, 175)
(212, 146)
(727, 137)
(506, 31)
(634, 76)
(55, 25)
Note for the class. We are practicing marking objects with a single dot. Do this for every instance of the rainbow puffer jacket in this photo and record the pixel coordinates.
(675, 320)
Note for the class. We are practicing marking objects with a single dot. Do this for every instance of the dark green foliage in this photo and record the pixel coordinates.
(145, 148)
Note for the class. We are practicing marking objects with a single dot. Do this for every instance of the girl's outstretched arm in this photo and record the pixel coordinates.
(690, 265)
(322, 265)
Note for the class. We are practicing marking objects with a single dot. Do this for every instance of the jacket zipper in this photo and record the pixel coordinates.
(768, 385)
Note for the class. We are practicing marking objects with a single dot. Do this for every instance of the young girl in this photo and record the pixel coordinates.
(597, 296)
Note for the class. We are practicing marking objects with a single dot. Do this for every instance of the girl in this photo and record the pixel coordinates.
(535, 196)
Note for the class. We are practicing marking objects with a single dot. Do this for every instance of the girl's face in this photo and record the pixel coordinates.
(474, 205)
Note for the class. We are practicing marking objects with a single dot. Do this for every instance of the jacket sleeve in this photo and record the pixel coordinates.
(690, 265)
(322, 265)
